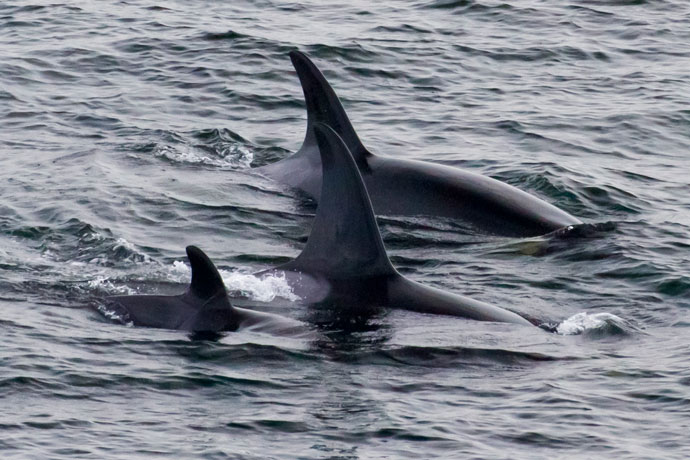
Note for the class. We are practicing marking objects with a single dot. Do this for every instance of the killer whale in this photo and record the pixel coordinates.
(203, 308)
(409, 187)
(343, 266)
(344, 263)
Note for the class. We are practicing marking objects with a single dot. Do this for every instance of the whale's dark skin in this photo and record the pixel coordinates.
(343, 267)
(344, 264)
(409, 187)
(204, 308)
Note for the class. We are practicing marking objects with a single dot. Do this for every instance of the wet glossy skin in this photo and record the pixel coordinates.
(344, 264)
(408, 187)
(205, 307)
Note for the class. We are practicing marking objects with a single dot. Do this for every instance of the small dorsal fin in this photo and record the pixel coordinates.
(345, 240)
(323, 106)
(206, 281)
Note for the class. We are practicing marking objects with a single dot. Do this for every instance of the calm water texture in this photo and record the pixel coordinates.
(128, 130)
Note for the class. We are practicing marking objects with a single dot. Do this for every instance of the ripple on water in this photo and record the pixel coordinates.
(126, 134)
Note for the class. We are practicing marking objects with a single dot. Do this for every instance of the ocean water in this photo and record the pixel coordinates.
(129, 130)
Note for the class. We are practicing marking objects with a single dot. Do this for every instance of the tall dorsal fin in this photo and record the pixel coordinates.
(323, 106)
(345, 240)
(206, 281)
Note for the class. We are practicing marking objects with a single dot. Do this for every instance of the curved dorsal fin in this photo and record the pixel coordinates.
(345, 240)
(206, 281)
(323, 106)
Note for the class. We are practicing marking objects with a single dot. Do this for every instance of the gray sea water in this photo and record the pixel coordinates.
(128, 130)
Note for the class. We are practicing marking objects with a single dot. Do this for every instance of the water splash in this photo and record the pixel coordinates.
(104, 284)
(261, 289)
(264, 289)
(595, 324)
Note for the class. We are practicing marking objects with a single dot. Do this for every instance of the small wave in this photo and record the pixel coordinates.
(264, 289)
(104, 284)
(430, 356)
(595, 325)
(104, 249)
(354, 52)
(229, 35)
(674, 286)
(584, 230)
(76, 241)
(452, 4)
(231, 156)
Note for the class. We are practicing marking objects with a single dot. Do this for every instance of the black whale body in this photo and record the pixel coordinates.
(344, 264)
(203, 308)
(343, 267)
(409, 187)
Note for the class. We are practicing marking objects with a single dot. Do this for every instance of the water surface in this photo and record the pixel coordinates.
(128, 130)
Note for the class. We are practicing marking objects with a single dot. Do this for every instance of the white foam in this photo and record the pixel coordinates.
(180, 269)
(581, 322)
(132, 249)
(123, 243)
(261, 289)
(102, 283)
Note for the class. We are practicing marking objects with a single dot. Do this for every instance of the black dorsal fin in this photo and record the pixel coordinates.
(345, 240)
(323, 106)
(206, 281)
